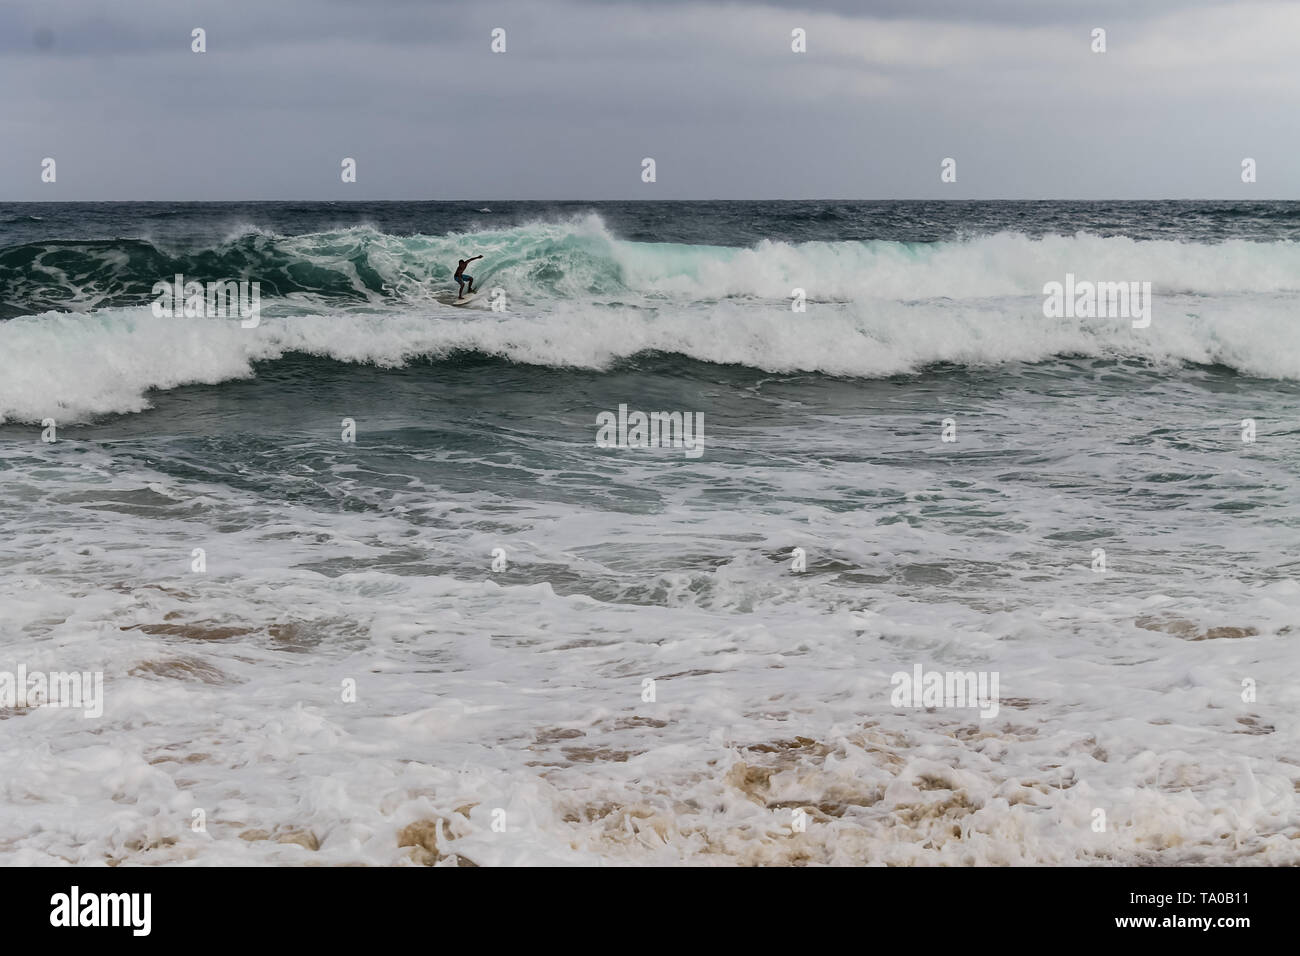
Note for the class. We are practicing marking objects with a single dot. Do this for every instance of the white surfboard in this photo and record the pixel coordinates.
(465, 298)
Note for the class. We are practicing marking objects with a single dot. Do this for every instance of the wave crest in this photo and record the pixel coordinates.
(579, 258)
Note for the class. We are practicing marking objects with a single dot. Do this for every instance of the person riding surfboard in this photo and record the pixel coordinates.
(461, 278)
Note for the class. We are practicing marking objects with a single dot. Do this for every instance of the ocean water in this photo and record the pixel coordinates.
(645, 677)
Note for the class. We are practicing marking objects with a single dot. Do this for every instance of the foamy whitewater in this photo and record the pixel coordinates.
(503, 716)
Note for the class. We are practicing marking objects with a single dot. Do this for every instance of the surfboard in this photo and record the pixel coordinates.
(465, 298)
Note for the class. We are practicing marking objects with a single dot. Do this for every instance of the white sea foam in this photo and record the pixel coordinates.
(522, 691)
(1164, 692)
(75, 366)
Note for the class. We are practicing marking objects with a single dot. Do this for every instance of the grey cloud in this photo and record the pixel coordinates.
(589, 88)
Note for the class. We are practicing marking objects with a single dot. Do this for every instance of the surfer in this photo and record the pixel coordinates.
(461, 278)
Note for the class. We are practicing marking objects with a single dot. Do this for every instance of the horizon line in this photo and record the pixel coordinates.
(48, 202)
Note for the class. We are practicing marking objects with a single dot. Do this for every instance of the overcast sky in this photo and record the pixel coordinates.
(586, 88)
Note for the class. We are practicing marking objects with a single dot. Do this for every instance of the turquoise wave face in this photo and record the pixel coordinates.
(358, 265)
(582, 259)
